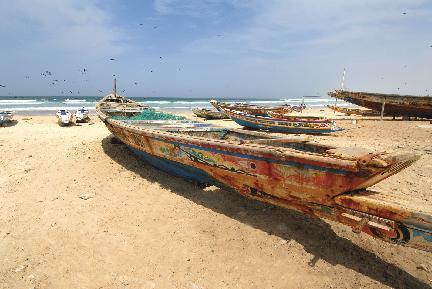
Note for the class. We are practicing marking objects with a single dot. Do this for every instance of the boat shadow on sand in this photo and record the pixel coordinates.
(316, 236)
(13, 122)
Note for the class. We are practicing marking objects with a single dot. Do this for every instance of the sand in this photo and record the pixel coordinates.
(78, 210)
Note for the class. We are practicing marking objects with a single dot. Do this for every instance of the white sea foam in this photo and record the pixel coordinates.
(74, 100)
(23, 101)
(156, 101)
(266, 101)
(46, 108)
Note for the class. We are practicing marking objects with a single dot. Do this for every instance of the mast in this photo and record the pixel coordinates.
(342, 86)
(115, 88)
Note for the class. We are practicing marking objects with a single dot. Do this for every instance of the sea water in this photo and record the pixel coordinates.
(49, 104)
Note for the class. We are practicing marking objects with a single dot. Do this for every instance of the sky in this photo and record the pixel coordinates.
(215, 48)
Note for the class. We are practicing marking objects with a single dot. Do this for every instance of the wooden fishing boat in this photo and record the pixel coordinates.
(322, 181)
(119, 106)
(278, 122)
(209, 113)
(64, 117)
(354, 111)
(82, 115)
(389, 104)
(6, 116)
(249, 108)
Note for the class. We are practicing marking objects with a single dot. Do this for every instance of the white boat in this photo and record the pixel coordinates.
(82, 115)
(64, 117)
(5, 116)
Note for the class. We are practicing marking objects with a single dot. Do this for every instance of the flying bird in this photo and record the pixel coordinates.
(154, 27)
(112, 59)
(136, 83)
(100, 91)
(404, 13)
(141, 24)
(70, 91)
(1, 85)
(151, 70)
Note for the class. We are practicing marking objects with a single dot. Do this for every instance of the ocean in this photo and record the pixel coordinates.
(50, 104)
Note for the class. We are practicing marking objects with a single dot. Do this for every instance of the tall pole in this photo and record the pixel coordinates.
(115, 88)
(343, 79)
(342, 86)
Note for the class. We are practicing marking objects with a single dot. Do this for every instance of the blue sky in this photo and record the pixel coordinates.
(210, 48)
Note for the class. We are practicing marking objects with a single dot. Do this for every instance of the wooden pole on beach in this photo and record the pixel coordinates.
(342, 88)
(382, 110)
(115, 88)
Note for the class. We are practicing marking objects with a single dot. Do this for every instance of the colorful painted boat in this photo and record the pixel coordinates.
(250, 109)
(277, 122)
(209, 114)
(390, 104)
(322, 181)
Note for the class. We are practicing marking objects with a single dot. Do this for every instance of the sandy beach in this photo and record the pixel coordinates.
(79, 210)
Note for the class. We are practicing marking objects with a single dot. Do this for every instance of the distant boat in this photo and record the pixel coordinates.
(82, 115)
(391, 104)
(64, 117)
(209, 113)
(281, 123)
(312, 178)
(250, 108)
(6, 116)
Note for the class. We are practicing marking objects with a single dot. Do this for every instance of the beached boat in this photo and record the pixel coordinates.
(64, 117)
(277, 122)
(115, 104)
(250, 108)
(355, 111)
(209, 113)
(82, 115)
(6, 116)
(389, 104)
(318, 180)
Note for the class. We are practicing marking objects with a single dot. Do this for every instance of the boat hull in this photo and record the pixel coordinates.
(306, 188)
(312, 179)
(395, 105)
(284, 129)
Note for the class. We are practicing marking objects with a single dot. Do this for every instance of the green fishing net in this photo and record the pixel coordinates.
(151, 114)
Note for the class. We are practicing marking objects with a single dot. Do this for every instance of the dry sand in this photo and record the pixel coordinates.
(80, 211)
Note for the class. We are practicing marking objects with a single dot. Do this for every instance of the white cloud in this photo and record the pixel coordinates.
(199, 8)
(79, 27)
(281, 25)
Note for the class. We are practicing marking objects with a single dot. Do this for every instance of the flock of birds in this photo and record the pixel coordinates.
(48, 73)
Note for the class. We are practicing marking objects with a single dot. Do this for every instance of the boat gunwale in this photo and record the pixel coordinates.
(395, 99)
(281, 154)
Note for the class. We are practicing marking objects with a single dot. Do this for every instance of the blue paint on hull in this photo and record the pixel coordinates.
(176, 168)
(278, 128)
